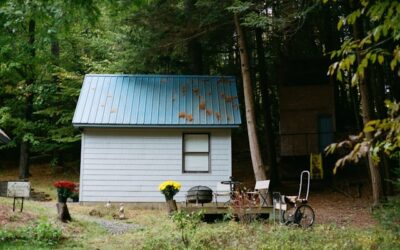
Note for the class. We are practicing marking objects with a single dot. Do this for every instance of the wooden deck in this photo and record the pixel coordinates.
(218, 213)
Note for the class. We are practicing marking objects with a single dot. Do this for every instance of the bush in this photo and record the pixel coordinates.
(187, 224)
(389, 214)
(43, 233)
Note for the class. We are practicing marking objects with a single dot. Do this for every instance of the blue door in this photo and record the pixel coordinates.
(325, 132)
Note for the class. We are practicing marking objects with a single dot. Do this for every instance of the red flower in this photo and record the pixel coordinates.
(65, 184)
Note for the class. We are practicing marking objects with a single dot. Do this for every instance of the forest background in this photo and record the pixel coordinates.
(46, 48)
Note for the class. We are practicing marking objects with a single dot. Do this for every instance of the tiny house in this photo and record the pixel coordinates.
(140, 130)
(307, 121)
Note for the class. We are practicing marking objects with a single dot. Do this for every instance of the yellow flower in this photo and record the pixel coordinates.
(175, 185)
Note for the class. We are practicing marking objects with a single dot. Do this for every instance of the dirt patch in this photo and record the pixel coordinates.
(11, 219)
(333, 207)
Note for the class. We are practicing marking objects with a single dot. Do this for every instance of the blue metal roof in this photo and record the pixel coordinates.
(3, 137)
(157, 101)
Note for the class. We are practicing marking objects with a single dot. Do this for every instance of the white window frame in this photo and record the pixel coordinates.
(193, 153)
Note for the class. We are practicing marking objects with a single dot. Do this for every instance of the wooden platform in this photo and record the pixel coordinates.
(218, 213)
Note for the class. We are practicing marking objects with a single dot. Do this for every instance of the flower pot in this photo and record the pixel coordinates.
(171, 206)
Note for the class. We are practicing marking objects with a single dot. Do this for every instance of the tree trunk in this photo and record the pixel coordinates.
(377, 193)
(24, 160)
(25, 146)
(63, 212)
(193, 45)
(258, 166)
(171, 206)
(367, 112)
(269, 135)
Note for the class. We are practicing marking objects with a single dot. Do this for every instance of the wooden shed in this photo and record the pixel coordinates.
(141, 130)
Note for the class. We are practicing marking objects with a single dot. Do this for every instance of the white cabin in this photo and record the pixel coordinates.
(139, 131)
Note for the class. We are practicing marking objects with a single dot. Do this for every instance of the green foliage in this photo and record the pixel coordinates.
(187, 224)
(44, 233)
(389, 215)
(41, 70)
(385, 139)
(376, 47)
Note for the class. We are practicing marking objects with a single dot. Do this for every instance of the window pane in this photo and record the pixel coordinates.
(196, 143)
(196, 163)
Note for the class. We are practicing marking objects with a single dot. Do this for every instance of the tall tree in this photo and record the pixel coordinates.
(358, 53)
(257, 162)
(37, 77)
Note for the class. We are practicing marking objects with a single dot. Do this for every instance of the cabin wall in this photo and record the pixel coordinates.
(127, 165)
(302, 111)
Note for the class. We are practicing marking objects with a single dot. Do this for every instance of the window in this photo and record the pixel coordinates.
(196, 153)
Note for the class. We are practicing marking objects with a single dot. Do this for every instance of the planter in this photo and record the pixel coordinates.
(171, 206)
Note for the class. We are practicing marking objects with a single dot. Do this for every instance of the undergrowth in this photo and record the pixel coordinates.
(42, 233)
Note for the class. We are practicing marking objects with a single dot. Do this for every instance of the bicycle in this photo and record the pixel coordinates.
(295, 208)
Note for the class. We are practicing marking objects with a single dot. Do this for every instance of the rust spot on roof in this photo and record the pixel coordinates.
(218, 115)
(202, 105)
(189, 117)
(209, 93)
(229, 118)
(230, 98)
(209, 111)
(113, 110)
(182, 115)
(222, 95)
(196, 91)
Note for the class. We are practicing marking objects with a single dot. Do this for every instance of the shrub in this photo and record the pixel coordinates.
(389, 214)
(43, 233)
(187, 223)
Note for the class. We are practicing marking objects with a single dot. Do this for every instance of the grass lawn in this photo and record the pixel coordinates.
(153, 229)
(38, 228)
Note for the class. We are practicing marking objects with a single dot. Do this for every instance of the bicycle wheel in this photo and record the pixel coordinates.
(304, 216)
(288, 215)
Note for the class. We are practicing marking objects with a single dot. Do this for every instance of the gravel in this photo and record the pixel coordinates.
(112, 227)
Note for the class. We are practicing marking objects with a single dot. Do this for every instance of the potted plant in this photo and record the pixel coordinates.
(65, 189)
(169, 189)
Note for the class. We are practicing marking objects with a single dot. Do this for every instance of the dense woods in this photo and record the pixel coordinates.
(46, 47)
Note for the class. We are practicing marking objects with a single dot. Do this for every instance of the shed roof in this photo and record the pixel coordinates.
(157, 101)
(3, 137)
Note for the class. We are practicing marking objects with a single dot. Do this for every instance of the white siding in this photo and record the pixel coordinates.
(129, 164)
